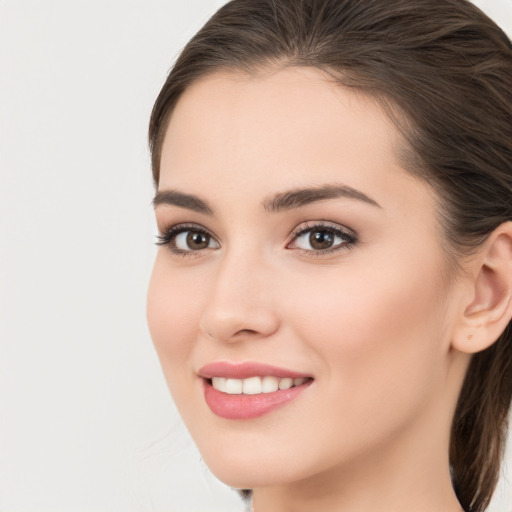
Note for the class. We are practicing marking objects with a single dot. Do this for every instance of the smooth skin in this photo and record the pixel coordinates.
(374, 315)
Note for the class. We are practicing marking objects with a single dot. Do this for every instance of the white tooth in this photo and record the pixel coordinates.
(252, 386)
(299, 382)
(219, 383)
(285, 383)
(270, 384)
(234, 386)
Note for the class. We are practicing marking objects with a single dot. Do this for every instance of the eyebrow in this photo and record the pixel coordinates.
(188, 201)
(302, 197)
(279, 202)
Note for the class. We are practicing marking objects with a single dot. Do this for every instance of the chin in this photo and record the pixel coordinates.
(243, 470)
(250, 478)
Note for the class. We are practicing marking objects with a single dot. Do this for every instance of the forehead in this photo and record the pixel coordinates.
(278, 129)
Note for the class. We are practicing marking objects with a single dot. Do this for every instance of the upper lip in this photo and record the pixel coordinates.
(245, 370)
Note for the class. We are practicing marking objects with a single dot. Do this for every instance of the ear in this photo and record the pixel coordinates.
(487, 305)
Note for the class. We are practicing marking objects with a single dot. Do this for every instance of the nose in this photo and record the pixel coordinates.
(240, 301)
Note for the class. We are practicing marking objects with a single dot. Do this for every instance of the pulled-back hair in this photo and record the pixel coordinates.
(443, 72)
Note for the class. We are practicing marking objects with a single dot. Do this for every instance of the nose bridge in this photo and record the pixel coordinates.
(240, 301)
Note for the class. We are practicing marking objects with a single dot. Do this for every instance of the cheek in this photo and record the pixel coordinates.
(173, 318)
(377, 337)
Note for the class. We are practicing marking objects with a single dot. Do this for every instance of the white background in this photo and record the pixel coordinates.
(86, 421)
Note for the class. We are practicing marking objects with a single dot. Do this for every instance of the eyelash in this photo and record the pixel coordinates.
(168, 237)
(349, 238)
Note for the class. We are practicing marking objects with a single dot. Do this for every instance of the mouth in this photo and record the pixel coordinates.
(249, 390)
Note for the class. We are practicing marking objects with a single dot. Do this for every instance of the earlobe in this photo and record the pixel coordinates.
(488, 309)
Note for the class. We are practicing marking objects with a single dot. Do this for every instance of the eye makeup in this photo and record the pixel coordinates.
(318, 238)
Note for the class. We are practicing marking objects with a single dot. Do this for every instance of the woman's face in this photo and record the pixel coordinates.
(294, 245)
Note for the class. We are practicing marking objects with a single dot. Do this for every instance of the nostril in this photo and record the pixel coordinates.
(245, 332)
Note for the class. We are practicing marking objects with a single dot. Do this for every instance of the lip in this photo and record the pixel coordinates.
(245, 370)
(244, 407)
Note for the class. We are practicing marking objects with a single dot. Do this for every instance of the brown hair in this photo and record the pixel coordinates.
(443, 72)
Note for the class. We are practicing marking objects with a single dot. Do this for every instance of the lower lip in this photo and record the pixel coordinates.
(245, 407)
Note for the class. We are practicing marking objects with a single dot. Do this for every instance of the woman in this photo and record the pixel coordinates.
(332, 295)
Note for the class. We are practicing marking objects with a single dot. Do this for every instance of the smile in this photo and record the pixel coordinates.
(249, 390)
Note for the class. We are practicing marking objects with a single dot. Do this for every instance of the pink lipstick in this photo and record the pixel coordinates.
(249, 390)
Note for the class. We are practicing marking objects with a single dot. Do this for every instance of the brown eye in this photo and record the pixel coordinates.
(184, 239)
(321, 239)
(190, 240)
(196, 241)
